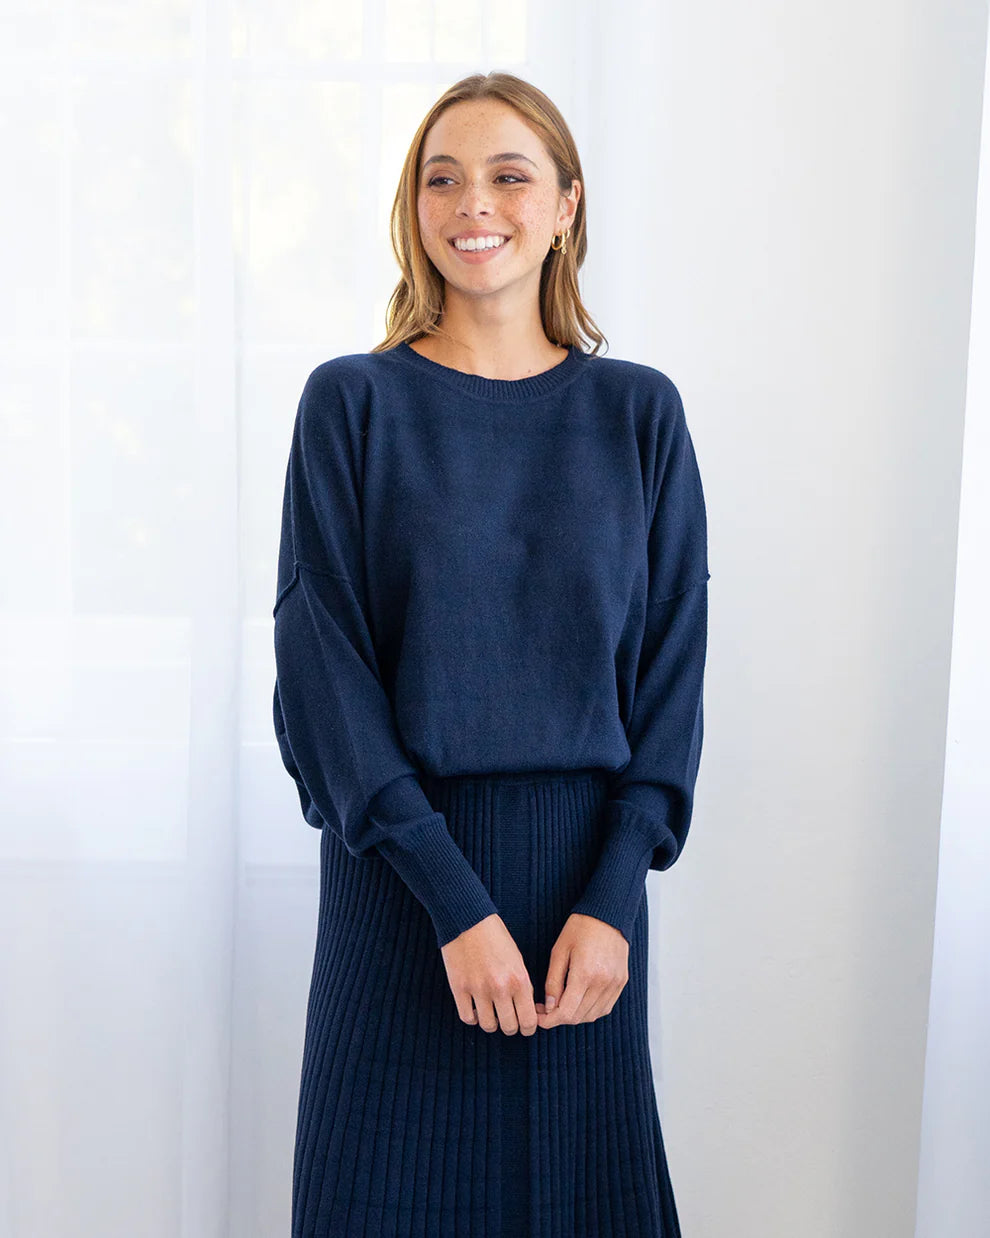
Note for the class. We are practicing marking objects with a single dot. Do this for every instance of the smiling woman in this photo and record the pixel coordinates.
(490, 635)
(493, 156)
(497, 209)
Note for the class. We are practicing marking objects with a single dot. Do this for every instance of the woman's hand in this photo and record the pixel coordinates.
(484, 965)
(594, 957)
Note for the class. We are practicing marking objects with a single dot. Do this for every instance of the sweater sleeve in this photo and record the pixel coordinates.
(334, 723)
(648, 812)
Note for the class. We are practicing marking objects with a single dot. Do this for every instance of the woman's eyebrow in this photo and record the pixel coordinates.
(506, 155)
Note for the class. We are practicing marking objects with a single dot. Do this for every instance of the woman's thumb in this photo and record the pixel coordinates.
(555, 980)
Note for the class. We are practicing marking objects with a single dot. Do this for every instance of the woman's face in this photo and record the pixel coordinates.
(495, 178)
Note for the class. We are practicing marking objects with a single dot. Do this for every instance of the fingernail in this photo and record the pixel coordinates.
(551, 1002)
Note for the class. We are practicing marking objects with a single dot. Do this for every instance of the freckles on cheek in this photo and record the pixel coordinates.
(428, 225)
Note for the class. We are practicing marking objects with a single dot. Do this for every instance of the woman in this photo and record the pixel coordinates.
(490, 636)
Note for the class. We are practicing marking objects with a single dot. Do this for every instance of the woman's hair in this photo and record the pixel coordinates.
(416, 305)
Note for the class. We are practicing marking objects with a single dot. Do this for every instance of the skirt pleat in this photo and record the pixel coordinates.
(413, 1124)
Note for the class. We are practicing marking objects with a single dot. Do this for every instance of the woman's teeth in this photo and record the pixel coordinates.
(484, 242)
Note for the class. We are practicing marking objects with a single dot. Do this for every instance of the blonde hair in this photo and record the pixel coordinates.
(416, 304)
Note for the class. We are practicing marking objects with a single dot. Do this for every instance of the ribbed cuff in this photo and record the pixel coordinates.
(438, 872)
(418, 844)
(618, 884)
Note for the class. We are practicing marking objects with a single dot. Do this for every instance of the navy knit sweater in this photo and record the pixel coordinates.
(480, 575)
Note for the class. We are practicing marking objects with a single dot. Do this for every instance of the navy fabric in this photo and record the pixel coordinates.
(491, 575)
(414, 1123)
(490, 637)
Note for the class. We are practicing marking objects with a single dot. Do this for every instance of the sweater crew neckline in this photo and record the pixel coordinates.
(532, 387)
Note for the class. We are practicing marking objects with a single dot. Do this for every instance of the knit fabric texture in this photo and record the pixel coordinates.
(480, 576)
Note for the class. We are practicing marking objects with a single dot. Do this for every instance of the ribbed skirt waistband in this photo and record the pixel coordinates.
(593, 774)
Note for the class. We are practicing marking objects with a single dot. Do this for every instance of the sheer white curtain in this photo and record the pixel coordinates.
(194, 214)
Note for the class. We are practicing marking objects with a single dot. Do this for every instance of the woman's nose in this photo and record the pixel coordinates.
(473, 196)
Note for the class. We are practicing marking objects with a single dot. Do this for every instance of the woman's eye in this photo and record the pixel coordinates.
(502, 176)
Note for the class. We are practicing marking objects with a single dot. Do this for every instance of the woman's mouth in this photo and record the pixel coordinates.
(477, 256)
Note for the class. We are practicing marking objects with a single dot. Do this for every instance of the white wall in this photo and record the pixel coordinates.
(783, 221)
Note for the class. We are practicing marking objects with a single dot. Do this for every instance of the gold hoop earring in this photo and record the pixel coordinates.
(563, 241)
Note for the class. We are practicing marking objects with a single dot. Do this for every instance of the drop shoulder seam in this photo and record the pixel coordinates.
(298, 564)
(687, 589)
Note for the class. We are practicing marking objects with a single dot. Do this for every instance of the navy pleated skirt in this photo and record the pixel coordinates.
(413, 1124)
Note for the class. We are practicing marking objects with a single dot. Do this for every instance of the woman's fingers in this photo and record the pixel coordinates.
(526, 1016)
(603, 1006)
(487, 1020)
(465, 1007)
(556, 973)
(515, 1008)
(489, 980)
(506, 1011)
(595, 957)
(576, 1000)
